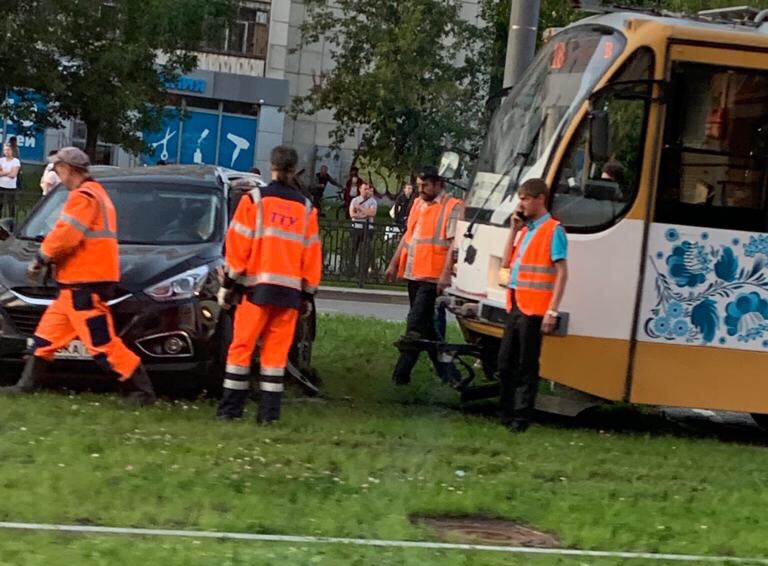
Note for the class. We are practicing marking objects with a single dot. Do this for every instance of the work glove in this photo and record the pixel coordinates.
(226, 298)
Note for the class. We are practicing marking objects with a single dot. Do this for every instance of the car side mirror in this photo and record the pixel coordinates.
(7, 227)
(449, 165)
(599, 136)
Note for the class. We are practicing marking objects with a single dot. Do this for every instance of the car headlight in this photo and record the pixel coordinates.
(182, 286)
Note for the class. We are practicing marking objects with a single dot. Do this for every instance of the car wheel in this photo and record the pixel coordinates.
(9, 373)
(300, 370)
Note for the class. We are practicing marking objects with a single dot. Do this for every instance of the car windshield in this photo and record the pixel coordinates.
(526, 125)
(151, 214)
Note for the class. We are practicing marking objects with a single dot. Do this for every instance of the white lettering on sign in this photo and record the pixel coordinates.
(22, 141)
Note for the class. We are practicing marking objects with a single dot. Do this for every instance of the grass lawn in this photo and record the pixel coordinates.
(359, 464)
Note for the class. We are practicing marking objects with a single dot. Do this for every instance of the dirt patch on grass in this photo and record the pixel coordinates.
(476, 529)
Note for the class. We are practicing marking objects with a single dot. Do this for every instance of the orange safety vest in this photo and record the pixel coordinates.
(83, 243)
(426, 243)
(536, 277)
(273, 246)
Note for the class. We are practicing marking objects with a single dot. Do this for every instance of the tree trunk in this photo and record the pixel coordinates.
(91, 140)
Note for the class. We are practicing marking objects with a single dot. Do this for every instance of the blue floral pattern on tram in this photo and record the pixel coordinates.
(707, 293)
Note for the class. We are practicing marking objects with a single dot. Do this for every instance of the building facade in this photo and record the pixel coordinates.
(234, 104)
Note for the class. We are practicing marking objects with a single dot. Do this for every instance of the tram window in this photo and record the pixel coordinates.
(590, 195)
(713, 167)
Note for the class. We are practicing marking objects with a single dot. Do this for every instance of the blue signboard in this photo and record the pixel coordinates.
(237, 142)
(164, 143)
(31, 145)
(198, 141)
(187, 84)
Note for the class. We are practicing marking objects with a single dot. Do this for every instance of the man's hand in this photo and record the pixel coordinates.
(517, 222)
(391, 273)
(443, 283)
(306, 308)
(225, 297)
(549, 323)
(34, 269)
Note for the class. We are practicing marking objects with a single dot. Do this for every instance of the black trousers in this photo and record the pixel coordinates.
(360, 259)
(518, 365)
(420, 324)
(8, 203)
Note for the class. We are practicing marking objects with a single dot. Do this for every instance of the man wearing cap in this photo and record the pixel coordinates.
(82, 248)
(424, 258)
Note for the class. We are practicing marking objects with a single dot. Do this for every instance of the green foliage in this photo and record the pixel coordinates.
(106, 63)
(406, 72)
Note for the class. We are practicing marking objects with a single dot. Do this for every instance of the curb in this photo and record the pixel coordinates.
(363, 295)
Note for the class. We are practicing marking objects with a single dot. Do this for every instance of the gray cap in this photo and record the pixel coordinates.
(71, 156)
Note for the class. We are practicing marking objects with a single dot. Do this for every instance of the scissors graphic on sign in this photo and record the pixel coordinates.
(164, 143)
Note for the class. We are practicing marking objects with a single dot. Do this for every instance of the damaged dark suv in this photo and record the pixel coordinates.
(171, 227)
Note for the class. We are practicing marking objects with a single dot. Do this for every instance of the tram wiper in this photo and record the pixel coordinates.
(525, 155)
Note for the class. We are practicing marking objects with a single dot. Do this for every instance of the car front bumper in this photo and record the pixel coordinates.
(176, 337)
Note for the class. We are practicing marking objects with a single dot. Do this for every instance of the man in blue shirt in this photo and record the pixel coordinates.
(536, 252)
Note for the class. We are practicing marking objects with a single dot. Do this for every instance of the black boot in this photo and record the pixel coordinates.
(270, 396)
(138, 388)
(269, 407)
(236, 391)
(33, 377)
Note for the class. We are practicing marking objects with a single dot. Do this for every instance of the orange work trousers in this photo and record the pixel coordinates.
(82, 314)
(273, 326)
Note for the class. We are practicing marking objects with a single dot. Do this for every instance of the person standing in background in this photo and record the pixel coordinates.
(10, 167)
(362, 211)
(352, 188)
(402, 207)
(49, 179)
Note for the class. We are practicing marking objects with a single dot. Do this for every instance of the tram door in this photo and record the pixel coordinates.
(702, 324)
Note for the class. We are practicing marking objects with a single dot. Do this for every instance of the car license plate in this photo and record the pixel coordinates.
(75, 350)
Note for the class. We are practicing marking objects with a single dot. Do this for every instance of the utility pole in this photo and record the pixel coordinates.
(521, 42)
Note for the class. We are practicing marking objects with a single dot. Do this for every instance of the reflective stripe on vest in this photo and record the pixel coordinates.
(537, 274)
(438, 243)
(80, 227)
(283, 270)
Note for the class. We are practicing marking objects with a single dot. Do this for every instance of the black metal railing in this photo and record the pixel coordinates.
(357, 255)
(18, 205)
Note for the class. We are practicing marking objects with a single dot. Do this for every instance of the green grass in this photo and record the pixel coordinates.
(115, 551)
(359, 464)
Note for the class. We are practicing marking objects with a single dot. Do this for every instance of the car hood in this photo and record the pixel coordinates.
(140, 265)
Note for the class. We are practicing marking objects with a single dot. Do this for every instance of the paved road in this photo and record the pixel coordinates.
(382, 311)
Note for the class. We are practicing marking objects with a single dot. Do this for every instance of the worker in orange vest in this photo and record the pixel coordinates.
(273, 255)
(424, 257)
(536, 254)
(83, 248)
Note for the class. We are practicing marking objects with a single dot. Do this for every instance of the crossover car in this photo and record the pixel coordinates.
(172, 223)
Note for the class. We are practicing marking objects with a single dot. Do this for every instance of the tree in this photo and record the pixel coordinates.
(404, 71)
(559, 13)
(26, 64)
(108, 62)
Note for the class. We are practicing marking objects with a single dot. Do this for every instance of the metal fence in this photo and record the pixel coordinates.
(18, 205)
(358, 256)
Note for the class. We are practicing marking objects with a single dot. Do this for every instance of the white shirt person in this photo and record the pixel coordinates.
(9, 169)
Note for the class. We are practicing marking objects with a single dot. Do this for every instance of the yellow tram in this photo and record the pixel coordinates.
(652, 133)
